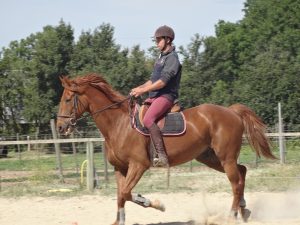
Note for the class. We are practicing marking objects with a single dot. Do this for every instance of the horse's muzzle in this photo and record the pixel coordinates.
(65, 127)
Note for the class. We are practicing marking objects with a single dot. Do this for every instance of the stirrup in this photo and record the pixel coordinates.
(160, 162)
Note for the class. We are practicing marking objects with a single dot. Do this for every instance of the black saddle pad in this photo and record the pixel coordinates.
(175, 124)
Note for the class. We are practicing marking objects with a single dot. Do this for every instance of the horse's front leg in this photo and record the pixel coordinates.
(142, 201)
(134, 174)
(126, 181)
(120, 179)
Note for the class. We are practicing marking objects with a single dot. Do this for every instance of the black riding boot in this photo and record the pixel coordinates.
(161, 159)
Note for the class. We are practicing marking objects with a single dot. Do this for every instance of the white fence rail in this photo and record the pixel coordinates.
(51, 141)
(84, 140)
(90, 171)
(90, 151)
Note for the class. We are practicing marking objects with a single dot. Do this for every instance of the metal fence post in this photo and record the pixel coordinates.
(90, 175)
(104, 159)
(75, 155)
(18, 146)
(280, 136)
(28, 146)
(57, 151)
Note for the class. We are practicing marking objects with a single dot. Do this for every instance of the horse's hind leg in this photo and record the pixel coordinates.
(232, 172)
(236, 174)
(210, 159)
(230, 168)
(245, 213)
(242, 173)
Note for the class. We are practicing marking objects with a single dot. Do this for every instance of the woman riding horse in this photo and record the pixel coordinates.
(163, 90)
(213, 136)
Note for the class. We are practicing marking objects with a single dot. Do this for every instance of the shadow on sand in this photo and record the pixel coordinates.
(191, 222)
(246, 213)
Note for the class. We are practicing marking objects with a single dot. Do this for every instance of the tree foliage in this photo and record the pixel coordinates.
(255, 61)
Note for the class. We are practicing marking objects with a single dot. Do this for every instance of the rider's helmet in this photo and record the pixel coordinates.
(164, 31)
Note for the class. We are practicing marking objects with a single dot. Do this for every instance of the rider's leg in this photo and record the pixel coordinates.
(157, 109)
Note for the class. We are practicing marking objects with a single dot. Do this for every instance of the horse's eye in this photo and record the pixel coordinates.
(68, 100)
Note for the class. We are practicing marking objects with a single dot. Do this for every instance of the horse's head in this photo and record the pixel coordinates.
(78, 96)
(71, 106)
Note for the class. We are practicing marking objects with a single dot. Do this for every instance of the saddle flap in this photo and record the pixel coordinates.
(176, 108)
(142, 112)
(143, 109)
(173, 124)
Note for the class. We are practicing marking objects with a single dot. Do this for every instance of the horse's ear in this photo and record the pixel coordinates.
(61, 77)
(68, 84)
(65, 82)
(71, 85)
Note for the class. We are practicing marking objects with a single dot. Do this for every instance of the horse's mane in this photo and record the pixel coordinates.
(98, 82)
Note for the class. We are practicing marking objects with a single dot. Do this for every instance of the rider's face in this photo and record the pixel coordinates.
(160, 43)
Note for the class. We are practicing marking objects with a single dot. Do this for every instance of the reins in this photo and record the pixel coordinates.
(107, 107)
(74, 120)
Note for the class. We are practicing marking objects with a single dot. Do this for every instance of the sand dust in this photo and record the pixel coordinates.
(181, 209)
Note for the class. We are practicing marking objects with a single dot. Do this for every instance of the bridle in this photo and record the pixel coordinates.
(73, 115)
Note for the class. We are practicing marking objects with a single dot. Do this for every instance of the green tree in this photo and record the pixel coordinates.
(268, 70)
(253, 61)
(83, 58)
(132, 72)
(14, 73)
(30, 72)
(193, 84)
(98, 52)
(52, 53)
(220, 94)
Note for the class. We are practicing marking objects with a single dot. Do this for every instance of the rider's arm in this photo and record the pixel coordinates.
(154, 86)
(148, 86)
(147, 83)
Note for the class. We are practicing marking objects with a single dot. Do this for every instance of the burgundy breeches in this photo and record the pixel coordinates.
(159, 106)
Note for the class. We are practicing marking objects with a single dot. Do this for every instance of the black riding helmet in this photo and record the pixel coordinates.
(164, 31)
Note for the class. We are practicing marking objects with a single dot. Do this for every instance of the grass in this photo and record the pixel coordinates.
(35, 174)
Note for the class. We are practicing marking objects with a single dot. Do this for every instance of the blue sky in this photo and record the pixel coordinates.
(134, 20)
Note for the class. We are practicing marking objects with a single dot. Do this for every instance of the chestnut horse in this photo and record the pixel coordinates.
(213, 136)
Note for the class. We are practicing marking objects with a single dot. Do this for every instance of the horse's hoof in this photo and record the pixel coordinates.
(245, 213)
(233, 215)
(118, 223)
(160, 162)
(243, 203)
(158, 205)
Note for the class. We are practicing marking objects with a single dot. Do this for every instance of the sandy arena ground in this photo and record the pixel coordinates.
(181, 209)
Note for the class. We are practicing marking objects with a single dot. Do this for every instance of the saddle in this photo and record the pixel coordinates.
(172, 124)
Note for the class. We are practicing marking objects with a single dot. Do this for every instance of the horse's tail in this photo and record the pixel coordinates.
(254, 130)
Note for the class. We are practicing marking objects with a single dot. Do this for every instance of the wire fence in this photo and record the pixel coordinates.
(34, 171)
(33, 168)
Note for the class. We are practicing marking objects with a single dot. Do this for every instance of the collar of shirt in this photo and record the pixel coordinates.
(170, 50)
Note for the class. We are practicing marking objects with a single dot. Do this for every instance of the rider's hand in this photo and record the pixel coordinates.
(136, 92)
